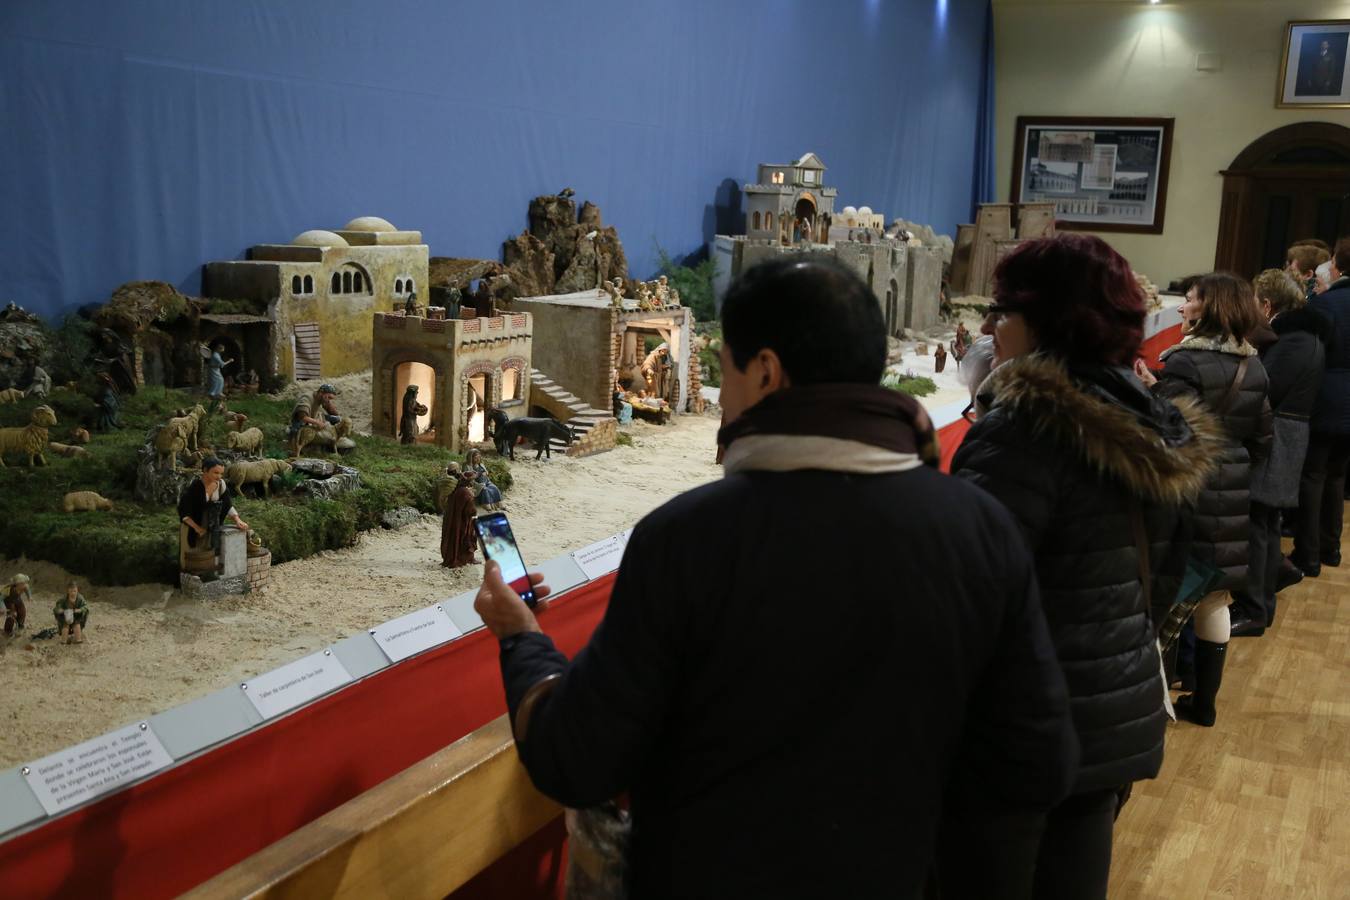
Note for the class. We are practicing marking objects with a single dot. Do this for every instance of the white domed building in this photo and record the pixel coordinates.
(318, 290)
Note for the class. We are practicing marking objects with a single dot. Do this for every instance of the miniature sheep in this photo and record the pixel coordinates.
(79, 436)
(258, 472)
(30, 440)
(66, 450)
(249, 441)
(84, 501)
(10, 395)
(235, 420)
(177, 435)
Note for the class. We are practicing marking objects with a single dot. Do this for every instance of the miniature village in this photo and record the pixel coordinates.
(299, 451)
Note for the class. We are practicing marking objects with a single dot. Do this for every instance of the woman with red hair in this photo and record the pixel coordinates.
(1095, 469)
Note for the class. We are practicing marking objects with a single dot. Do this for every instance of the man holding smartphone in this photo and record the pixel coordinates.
(830, 674)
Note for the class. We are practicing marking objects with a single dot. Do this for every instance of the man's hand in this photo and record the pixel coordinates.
(501, 608)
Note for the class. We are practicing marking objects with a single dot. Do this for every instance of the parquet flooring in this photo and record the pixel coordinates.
(1259, 805)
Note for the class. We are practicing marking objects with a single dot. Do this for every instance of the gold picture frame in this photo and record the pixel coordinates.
(1315, 65)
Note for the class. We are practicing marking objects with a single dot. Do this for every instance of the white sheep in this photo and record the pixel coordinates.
(66, 450)
(31, 440)
(85, 501)
(10, 395)
(177, 435)
(257, 472)
(249, 441)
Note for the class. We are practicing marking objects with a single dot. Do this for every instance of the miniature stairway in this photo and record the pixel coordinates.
(594, 430)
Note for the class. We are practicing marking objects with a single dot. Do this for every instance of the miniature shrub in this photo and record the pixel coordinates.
(909, 383)
(623, 439)
(138, 542)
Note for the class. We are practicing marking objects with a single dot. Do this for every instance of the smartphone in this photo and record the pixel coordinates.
(499, 544)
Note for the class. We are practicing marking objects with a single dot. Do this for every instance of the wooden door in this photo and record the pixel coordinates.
(308, 362)
(1291, 209)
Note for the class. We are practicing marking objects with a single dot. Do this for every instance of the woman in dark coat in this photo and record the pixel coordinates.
(1215, 365)
(1294, 357)
(458, 539)
(1096, 470)
(407, 423)
(206, 503)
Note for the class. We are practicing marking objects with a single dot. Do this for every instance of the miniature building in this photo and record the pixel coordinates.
(318, 291)
(585, 345)
(790, 203)
(980, 246)
(462, 368)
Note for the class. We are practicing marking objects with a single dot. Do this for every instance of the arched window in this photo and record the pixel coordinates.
(346, 282)
(309, 284)
(337, 283)
(755, 221)
(768, 221)
(296, 285)
(398, 285)
(356, 282)
(409, 286)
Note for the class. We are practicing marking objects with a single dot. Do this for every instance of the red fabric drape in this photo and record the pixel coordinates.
(173, 831)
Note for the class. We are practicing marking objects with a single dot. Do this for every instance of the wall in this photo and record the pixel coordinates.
(145, 137)
(1130, 59)
(572, 347)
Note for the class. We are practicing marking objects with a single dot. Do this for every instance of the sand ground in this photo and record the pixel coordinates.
(149, 648)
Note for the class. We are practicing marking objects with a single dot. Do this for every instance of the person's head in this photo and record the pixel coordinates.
(1326, 47)
(474, 457)
(1277, 292)
(1340, 259)
(327, 391)
(72, 588)
(978, 363)
(212, 471)
(798, 320)
(453, 470)
(19, 585)
(1302, 259)
(1069, 296)
(1220, 306)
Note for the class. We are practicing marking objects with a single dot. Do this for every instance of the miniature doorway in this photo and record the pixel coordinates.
(639, 340)
(476, 401)
(805, 212)
(424, 376)
(231, 352)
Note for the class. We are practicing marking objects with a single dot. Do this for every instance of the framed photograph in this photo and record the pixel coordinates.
(1102, 174)
(1313, 71)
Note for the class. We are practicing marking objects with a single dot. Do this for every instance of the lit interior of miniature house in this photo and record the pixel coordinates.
(424, 376)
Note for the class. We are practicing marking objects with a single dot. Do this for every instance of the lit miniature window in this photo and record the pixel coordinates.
(398, 285)
(510, 384)
(309, 284)
(337, 283)
(777, 177)
(296, 284)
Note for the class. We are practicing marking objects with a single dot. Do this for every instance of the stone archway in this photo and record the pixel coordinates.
(1291, 183)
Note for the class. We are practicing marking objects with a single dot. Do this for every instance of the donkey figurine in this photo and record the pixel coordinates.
(537, 431)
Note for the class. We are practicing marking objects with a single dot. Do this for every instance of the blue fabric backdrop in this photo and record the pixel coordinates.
(143, 138)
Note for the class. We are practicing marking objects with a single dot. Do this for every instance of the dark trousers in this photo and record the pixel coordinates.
(1257, 600)
(1074, 862)
(16, 613)
(1321, 498)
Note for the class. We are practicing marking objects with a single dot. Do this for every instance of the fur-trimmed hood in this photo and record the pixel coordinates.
(1231, 346)
(1162, 450)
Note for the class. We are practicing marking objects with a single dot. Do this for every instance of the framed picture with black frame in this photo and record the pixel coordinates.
(1102, 173)
(1313, 72)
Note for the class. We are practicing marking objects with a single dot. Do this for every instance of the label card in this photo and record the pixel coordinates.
(69, 777)
(282, 690)
(599, 558)
(411, 634)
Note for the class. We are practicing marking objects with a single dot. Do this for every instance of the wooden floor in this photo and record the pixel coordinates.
(1259, 805)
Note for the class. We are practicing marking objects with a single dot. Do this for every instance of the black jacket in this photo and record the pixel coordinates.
(1294, 364)
(793, 670)
(1204, 369)
(1332, 412)
(1070, 454)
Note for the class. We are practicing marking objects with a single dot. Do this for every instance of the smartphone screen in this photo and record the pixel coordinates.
(499, 545)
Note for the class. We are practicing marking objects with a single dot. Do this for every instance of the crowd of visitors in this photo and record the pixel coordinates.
(839, 672)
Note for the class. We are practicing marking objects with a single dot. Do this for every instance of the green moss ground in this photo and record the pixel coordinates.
(138, 542)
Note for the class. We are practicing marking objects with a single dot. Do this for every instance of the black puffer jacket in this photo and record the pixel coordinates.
(1294, 364)
(1070, 454)
(1205, 368)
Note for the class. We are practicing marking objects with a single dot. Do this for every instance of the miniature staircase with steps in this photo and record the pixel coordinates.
(594, 430)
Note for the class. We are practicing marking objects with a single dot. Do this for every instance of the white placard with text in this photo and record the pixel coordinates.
(72, 776)
(282, 690)
(417, 631)
(599, 558)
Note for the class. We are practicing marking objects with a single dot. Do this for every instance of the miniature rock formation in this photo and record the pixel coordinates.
(85, 501)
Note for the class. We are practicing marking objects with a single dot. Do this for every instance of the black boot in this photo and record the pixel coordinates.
(1199, 706)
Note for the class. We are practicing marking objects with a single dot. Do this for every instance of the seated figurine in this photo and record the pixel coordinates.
(72, 615)
(485, 492)
(623, 410)
(17, 596)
